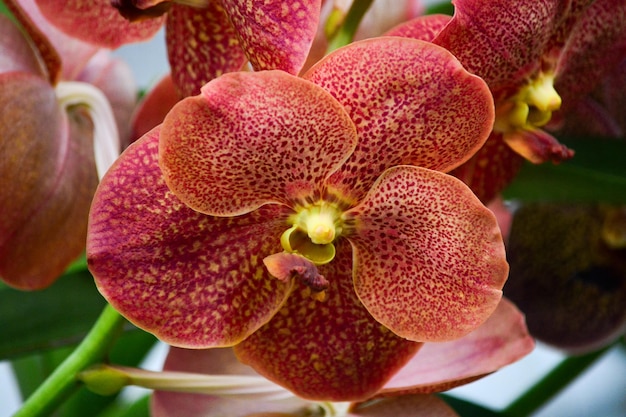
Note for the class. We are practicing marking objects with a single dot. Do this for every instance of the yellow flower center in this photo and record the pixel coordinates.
(314, 229)
(531, 107)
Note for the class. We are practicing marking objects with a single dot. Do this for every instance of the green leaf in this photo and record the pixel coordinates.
(596, 173)
(60, 315)
(440, 8)
(466, 408)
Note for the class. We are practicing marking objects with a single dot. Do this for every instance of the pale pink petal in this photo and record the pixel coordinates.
(252, 139)
(424, 28)
(429, 258)
(405, 406)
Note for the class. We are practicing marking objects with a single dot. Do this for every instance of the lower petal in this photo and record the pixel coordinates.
(327, 350)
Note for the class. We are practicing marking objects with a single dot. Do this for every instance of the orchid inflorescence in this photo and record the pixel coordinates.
(300, 217)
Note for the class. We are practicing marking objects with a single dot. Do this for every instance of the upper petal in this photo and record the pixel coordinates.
(48, 178)
(500, 341)
(201, 45)
(251, 139)
(429, 260)
(16, 53)
(331, 350)
(97, 22)
(192, 280)
(275, 34)
(412, 103)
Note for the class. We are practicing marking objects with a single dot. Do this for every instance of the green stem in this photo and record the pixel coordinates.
(62, 382)
(551, 384)
(346, 32)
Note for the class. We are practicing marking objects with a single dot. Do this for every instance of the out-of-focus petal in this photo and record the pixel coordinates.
(405, 406)
(114, 78)
(192, 280)
(596, 47)
(275, 34)
(428, 256)
(502, 41)
(97, 22)
(16, 53)
(327, 350)
(491, 169)
(500, 341)
(424, 28)
(215, 362)
(566, 276)
(153, 107)
(412, 103)
(252, 139)
(202, 45)
(48, 179)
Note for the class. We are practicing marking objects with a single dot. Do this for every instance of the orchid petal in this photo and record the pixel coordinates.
(406, 406)
(171, 270)
(16, 53)
(596, 46)
(500, 341)
(327, 350)
(429, 261)
(202, 45)
(567, 274)
(412, 103)
(269, 44)
(48, 179)
(424, 28)
(97, 22)
(502, 41)
(491, 169)
(217, 362)
(153, 107)
(252, 139)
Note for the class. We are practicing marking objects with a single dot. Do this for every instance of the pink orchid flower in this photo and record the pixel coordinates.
(230, 388)
(308, 220)
(204, 38)
(58, 132)
(537, 58)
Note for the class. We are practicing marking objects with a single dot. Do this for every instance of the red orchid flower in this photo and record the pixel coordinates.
(230, 388)
(204, 38)
(307, 220)
(57, 95)
(537, 58)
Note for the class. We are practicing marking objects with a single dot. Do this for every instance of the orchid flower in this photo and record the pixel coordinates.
(308, 220)
(537, 58)
(230, 388)
(205, 38)
(568, 273)
(59, 133)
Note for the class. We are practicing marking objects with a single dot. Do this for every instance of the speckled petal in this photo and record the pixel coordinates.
(596, 47)
(502, 41)
(429, 257)
(192, 280)
(201, 45)
(97, 22)
(275, 34)
(47, 179)
(500, 341)
(491, 169)
(251, 139)
(405, 406)
(424, 28)
(412, 103)
(328, 350)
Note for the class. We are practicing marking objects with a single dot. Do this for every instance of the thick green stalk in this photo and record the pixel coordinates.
(551, 384)
(346, 32)
(62, 382)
